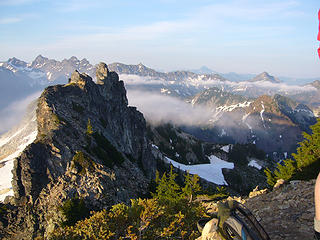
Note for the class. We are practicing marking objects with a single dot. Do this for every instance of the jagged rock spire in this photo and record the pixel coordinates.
(102, 73)
(79, 78)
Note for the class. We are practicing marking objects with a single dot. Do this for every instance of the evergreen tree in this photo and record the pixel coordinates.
(191, 186)
(168, 191)
(89, 128)
(271, 180)
(306, 162)
(309, 150)
(286, 170)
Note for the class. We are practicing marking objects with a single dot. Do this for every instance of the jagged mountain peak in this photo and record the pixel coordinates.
(39, 61)
(264, 76)
(73, 59)
(40, 58)
(17, 62)
(203, 70)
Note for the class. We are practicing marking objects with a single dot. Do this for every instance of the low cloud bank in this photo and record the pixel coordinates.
(131, 79)
(12, 115)
(159, 109)
(266, 86)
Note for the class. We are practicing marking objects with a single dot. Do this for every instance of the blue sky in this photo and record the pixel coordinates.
(244, 36)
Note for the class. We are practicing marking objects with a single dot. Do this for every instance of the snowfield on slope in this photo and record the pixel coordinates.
(211, 172)
(5, 171)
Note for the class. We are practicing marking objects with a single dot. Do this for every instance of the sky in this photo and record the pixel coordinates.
(243, 36)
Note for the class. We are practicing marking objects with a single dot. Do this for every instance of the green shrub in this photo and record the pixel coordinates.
(74, 209)
(82, 162)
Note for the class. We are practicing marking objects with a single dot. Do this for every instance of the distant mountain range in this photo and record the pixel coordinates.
(241, 77)
(234, 105)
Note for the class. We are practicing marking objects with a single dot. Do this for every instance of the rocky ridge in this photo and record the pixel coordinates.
(90, 145)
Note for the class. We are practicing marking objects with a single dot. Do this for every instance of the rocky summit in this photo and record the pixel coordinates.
(90, 145)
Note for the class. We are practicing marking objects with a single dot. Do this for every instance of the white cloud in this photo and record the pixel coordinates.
(130, 79)
(11, 115)
(159, 109)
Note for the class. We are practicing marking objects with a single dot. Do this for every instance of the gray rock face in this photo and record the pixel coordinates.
(90, 144)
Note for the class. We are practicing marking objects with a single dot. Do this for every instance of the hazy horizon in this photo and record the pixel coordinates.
(242, 36)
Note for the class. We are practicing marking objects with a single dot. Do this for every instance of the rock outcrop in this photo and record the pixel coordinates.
(90, 144)
(287, 212)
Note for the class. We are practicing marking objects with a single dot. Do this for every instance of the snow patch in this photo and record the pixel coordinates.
(211, 172)
(261, 114)
(225, 148)
(5, 171)
(262, 111)
(49, 75)
(255, 164)
(234, 106)
(155, 146)
(223, 133)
